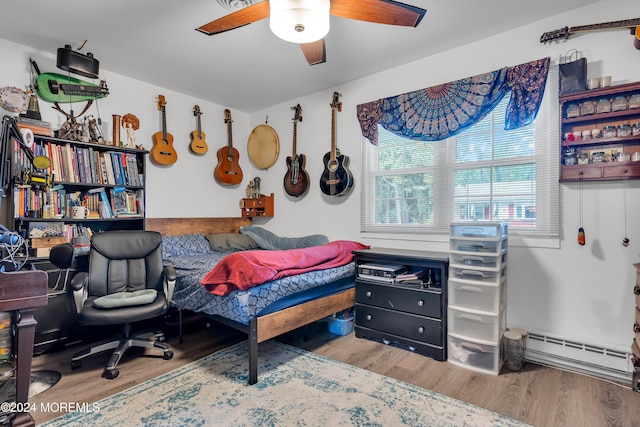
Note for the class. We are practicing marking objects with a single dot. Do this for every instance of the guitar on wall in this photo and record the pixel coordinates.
(227, 171)
(163, 152)
(198, 144)
(53, 87)
(296, 180)
(632, 24)
(336, 179)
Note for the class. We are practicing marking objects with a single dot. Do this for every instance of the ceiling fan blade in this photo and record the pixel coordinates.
(314, 52)
(240, 18)
(379, 11)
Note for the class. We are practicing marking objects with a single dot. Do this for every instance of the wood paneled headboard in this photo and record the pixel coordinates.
(179, 226)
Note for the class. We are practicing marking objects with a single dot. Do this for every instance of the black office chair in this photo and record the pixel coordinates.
(126, 283)
(62, 257)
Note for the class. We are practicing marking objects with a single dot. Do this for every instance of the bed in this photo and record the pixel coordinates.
(298, 300)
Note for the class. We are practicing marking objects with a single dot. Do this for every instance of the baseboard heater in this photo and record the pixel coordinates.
(594, 360)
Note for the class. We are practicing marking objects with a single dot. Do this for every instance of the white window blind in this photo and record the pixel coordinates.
(483, 174)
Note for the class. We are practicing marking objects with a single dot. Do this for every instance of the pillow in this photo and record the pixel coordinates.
(267, 240)
(230, 242)
(186, 244)
(125, 299)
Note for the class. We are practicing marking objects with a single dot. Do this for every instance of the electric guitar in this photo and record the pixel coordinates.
(198, 144)
(564, 33)
(336, 179)
(163, 152)
(296, 180)
(227, 171)
(52, 87)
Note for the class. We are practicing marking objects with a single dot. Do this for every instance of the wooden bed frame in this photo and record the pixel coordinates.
(265, 327)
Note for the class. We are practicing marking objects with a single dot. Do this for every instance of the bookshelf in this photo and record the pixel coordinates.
(106, 180)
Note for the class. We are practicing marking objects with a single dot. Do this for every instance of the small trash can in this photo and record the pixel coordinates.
(513, 350)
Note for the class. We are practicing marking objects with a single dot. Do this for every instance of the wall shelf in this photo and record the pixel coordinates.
(608, 170)
(259, 207)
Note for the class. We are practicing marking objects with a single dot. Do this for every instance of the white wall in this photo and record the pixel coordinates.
(576, 292)
(582, 293)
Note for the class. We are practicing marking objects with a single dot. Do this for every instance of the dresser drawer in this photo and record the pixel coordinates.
(474, 355)
(480, 246)
(476, 325)
(478, 276)
(489, 229)
(416, 301)
(475, 260)
(477, 296)
(406, 325)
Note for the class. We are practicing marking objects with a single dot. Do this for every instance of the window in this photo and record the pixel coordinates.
(483, 174)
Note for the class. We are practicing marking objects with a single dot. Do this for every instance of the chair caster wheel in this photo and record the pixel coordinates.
(110, 373)
(75, 364)
(167, 355)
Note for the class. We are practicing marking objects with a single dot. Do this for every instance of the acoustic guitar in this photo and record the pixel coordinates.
(163, 152)
(563, 33)
(336, 179)
(296, 180)
(198, 144)
(227, 171)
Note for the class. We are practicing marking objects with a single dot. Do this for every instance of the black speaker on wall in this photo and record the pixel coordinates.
(76, 62)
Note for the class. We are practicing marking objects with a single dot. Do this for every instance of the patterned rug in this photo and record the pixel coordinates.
(295, 388)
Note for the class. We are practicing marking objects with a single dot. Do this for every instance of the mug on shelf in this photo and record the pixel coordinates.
(79, 212)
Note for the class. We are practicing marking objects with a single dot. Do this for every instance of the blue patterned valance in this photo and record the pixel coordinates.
(442, 111)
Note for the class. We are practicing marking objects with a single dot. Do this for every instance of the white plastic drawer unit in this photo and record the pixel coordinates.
(487, 277)
(476, 325)
(476, 260)
(476, 296)
(478, 356)
(497, 230)
(477, 246)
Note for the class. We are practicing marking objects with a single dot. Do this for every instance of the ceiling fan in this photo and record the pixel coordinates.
(306, 22)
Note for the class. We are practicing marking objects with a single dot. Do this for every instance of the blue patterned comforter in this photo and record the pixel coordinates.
(239, 306)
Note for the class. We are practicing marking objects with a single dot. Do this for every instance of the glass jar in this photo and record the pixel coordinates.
(573, 110)
(570, 157)
(513, 350)
(609, 132)
(588, 108)
(597, 157)
(635, 129)
(619, 103)
(583, 158)
(603, 105)
(634, 101)
(624, 130)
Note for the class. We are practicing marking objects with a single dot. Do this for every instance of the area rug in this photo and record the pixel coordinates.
(295, 388)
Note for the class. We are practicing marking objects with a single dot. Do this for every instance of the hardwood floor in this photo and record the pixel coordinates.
(540, 396)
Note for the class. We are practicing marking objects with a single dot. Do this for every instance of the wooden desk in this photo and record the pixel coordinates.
(21, 292)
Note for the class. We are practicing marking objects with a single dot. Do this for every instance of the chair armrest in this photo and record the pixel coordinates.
(169, 282)
(78, 285)
(79, 281)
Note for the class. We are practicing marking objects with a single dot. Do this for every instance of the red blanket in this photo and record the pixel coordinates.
(245, 269)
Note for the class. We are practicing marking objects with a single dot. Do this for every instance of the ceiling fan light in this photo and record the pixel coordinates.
(299, 21)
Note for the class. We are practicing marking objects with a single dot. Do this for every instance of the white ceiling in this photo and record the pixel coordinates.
(249, 68)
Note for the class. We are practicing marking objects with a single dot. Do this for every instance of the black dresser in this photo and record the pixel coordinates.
(407, 314)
